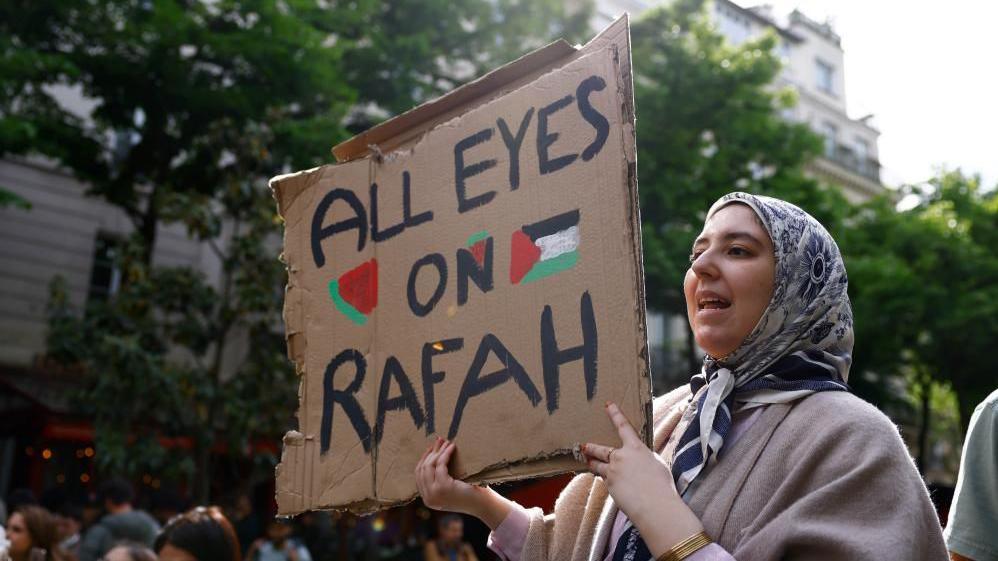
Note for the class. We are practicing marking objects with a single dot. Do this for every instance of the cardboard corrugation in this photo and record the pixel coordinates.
(378, 155)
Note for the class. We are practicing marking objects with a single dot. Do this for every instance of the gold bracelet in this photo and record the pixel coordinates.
(687, 547)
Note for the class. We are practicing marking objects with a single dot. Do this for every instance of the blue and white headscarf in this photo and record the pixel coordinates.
(801, 345)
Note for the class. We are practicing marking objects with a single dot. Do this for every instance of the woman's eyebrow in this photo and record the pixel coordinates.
(728, 237)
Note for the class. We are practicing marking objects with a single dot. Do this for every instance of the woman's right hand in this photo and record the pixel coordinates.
(440, 491)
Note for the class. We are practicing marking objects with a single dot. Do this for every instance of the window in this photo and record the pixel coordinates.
(831, 133)
(826, 76)
(862, 148)
(105, 274)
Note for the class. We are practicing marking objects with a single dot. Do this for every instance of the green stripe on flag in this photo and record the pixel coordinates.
(343, 306)
(477, 237)
(551, 266)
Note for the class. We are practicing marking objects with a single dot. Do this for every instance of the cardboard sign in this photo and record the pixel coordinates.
(471, 269)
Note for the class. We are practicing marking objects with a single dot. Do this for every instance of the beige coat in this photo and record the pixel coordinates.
(825, 477)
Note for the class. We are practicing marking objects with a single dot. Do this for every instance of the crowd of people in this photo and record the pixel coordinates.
(110, 527)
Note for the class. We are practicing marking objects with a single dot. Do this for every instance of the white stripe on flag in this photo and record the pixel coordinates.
(558, 243)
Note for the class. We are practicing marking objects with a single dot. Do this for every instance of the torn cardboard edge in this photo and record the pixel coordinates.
(403, 132)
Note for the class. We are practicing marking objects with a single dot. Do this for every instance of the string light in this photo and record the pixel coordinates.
(47, 454)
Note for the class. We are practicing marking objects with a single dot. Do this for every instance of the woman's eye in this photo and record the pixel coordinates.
(694, 255)
(738, 251)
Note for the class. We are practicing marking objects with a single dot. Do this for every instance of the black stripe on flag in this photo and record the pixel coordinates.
(551, 225)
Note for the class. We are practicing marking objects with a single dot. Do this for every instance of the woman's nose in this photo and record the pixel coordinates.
(705, 265)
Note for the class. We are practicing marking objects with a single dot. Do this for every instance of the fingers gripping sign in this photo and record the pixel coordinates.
(441, 491)
(637, 478)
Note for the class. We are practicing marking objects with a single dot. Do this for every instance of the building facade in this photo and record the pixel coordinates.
(814, 67)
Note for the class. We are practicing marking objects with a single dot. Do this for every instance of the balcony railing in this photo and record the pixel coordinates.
(847, 158)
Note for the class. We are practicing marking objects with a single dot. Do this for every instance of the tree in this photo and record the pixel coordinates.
(708, 123)
(194, 104)
(924, 286)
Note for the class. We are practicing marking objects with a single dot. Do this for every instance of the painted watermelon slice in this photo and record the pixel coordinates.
(359, 286)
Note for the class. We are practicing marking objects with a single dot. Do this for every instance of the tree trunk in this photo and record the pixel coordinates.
(150, 221)
(923, 431)
(201, 489)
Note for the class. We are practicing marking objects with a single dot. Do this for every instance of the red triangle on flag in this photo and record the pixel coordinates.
(523, 255)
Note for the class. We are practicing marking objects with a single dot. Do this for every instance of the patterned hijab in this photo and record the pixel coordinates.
(802, 343)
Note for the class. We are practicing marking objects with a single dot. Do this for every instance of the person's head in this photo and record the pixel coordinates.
(129, 552)
(200, 534)
(450, 528)
(243, 506)
(70, 520)
(278, 530)
(31, 526)
(766, 279)
(115, 494)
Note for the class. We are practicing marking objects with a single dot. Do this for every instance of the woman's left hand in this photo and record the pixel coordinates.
(642, 486)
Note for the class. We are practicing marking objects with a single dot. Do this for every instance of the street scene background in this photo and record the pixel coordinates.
(140, 283)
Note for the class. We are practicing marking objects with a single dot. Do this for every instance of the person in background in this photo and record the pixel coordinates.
(70, 519)
(34, 535)
(121, 523)
(92, 512)
(973, 521)
(129, 552)
(245, 521)
(278, 545)
(449, 545)
(200, 534)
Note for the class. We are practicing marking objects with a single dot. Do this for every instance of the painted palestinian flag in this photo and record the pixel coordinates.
(542, 249)
(355, 293)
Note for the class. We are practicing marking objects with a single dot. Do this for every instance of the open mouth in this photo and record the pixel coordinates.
(713, 303)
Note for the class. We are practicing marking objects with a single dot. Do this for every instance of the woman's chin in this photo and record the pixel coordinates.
(716, 347)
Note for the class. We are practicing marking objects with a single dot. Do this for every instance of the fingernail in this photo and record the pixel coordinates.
(607, 404)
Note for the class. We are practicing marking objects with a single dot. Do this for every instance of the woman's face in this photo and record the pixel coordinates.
(730, 280)
(17, 533)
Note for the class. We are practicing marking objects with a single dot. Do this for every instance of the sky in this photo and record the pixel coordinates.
(928, 72)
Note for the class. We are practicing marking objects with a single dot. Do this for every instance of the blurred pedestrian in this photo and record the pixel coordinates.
(200, 534)
(278, 544)
(973, 520)
(70, 520)
(34, 535)
(246, 521)
(129, 552)
(450, 544)
(121, 523)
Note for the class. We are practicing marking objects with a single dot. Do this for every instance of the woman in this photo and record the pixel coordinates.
(34, 535)
(200, 534)
(766, 455)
